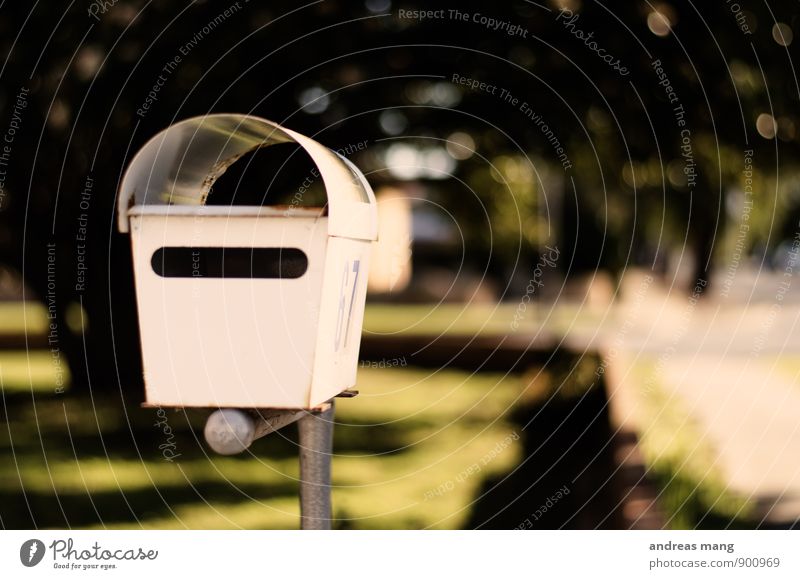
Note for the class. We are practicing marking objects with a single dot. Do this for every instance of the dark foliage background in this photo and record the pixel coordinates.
(88, 76)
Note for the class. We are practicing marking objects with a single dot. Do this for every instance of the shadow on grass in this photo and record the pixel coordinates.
(565, 476)
(60, 467)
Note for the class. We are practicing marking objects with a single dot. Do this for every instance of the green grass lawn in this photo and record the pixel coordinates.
(403, 446)
(35, 371)
(19, 317)
(473, 319)
(94, 464)
(96, 461)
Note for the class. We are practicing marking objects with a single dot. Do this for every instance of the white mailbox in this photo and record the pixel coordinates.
(244, 306)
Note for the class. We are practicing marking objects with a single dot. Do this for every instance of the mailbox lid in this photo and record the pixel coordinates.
(228, 211)
(180, 164)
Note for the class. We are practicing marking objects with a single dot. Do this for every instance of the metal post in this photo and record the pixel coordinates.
(231, 431)
(316, 448)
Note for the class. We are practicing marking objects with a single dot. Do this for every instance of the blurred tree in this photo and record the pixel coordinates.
(98, 79)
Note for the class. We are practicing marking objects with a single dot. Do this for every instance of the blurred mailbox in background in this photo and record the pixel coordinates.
(244, 306)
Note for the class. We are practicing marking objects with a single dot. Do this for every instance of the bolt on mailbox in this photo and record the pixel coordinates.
(244, 306)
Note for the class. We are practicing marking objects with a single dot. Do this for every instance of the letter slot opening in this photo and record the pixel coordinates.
(230, 262)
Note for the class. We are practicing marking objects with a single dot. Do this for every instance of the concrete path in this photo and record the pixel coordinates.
(749, 412)
(735, 368)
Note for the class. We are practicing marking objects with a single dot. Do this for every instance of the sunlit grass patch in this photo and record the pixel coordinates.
(407, 434)
(442, 395)
(480, 319)
(436, 319)
(277, 513)
(788, 366)
(36, 370)
(681, 461)
(18, 318)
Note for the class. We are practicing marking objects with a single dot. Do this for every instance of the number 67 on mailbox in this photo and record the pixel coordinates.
(224, 292)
